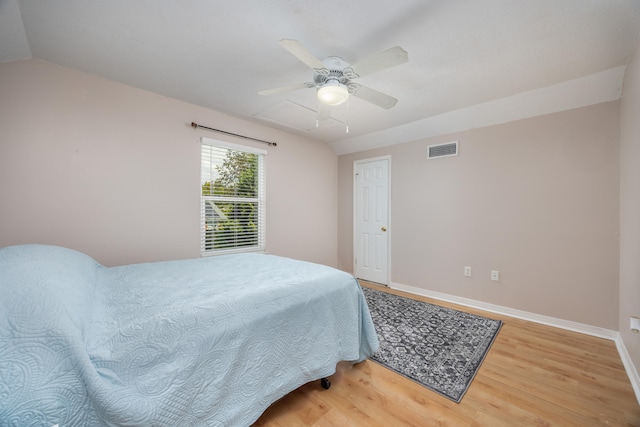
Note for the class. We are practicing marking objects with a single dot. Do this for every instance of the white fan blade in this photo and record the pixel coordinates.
(285, 89)
(301, 53)
(385, 59)
(324, 111)
(377, 98)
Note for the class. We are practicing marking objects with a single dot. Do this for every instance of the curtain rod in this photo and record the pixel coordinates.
(196, 126)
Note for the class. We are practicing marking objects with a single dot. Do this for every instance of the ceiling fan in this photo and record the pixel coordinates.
(333, 77)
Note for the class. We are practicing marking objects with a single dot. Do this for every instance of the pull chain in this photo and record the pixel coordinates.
(347, 115)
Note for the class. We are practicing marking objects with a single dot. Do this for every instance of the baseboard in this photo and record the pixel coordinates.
(519, 314)
(537, 318)
(632, 372)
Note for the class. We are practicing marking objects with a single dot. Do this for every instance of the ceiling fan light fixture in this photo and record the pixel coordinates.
(333, 93)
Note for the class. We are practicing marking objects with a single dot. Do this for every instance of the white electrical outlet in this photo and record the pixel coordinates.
(495, 275)
(467, 271)
(634, 324)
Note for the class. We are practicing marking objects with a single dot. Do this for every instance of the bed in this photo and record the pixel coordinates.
(203, 342)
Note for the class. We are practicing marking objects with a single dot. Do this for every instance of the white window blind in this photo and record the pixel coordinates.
(233, 198)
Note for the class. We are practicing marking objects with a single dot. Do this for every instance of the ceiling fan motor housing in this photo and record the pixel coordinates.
(337, 71)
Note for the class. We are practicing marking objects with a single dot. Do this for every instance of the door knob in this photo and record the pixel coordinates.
(384, 229)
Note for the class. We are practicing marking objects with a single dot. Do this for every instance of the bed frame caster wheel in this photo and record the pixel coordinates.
(325, 383)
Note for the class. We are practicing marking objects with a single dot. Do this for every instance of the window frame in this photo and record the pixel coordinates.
(260, 200)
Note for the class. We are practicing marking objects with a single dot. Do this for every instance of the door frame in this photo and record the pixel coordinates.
(388, 201)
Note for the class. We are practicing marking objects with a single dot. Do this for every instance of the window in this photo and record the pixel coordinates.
(233, 198)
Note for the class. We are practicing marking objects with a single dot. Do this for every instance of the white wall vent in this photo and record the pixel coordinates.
(447, 149)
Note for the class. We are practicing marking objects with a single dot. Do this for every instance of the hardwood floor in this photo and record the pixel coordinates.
(533, 375)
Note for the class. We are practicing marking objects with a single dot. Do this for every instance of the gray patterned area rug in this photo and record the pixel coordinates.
(438, 347)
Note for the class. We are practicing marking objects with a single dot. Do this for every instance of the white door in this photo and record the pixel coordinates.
(371, 220)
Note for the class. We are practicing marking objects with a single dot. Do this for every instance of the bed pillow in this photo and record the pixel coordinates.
(45, 288)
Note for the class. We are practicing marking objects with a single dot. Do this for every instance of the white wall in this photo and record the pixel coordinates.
(630, 207)
(114, 171)
(536, 199)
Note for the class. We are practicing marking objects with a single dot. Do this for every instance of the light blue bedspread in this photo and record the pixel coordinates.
(205, 342)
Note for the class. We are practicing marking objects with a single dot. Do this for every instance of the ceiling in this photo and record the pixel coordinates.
(471, 63)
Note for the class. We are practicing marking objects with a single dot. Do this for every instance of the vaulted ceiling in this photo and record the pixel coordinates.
(471, 63)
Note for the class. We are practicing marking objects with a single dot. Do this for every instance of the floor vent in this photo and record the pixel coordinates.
(443, 150)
